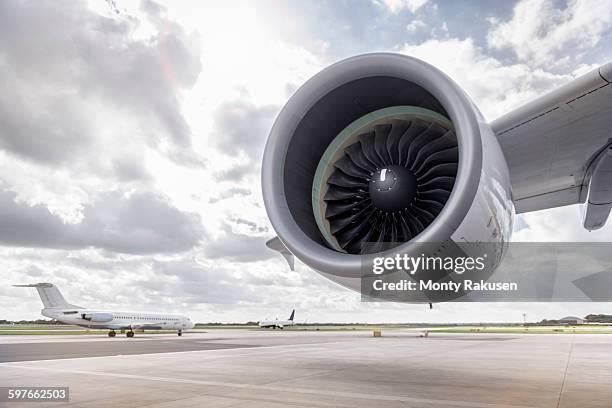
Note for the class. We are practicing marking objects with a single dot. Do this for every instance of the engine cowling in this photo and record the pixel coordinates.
(382, 154)
(98, 317)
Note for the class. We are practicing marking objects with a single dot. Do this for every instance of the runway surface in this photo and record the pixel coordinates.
(79, 349)
(320, 369)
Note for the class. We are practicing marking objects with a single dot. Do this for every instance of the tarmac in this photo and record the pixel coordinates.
(248, 368)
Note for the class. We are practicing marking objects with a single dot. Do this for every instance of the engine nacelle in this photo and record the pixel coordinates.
(98, 317)
(382, 154)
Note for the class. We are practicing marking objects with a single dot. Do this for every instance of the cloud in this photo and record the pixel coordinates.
(81, 86)
(140, 223)
(237, 172)
(244, 126)
(241, 129)
(229, 193)
(495, 87)
(541, 34)
(240, 241)
(194, 282)
(561, 224)
(397, 6)
(415, 26)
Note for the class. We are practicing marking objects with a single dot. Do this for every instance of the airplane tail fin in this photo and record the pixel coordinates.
(50, 295)
(292, 314)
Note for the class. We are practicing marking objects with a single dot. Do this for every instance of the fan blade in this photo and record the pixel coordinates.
(424, 209)
(438, 195)
(432, 206)
(365, 242)
(450, 155)
(425, 215)
(443, 142)
(393, 234)
(398, 128)
(415, 225)
(347, 166)
(404, 228)
(443, 182)
(369, 149)
(338, 178)
(335, 193)
(345, 219)
(379, 242)
(441, 170)
(351, 238)
(416, 128)
(335, 208)
(381, 133)
(355, 153)
(417, 144)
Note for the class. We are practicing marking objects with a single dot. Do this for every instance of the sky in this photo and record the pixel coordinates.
(132, 132)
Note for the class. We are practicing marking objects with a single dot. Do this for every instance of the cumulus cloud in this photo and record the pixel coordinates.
(195, 282)
(139, 223)
(541, 33)
(562, 224)
(397, 6)
(415, 26)
(236, 244)
(243, 127)
(80, 86)
(495, 87)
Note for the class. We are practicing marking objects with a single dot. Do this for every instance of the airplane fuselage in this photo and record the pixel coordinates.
(116, 320)
(275, 324)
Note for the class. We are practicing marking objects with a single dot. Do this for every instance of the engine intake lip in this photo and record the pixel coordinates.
(460, 110)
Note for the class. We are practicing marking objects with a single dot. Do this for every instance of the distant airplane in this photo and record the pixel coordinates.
(278, 323)
(56, 307)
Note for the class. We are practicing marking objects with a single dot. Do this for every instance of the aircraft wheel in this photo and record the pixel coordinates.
(180, 333)
(111, 334)
(130, 334)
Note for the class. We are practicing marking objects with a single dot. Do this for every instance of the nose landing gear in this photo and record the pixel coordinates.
(129, 334)
(180, 333)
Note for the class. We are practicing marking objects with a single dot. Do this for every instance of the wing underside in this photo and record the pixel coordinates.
(552, 143)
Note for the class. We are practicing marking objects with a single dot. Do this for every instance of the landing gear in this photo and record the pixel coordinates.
(112, 333)
(180, 333)
(430, 306)
(129, 334)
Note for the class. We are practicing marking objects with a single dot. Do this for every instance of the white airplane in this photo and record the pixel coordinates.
(56, 307)
(278, 323)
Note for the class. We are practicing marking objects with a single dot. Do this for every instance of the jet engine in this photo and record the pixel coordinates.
(383, 154)
(98, 317)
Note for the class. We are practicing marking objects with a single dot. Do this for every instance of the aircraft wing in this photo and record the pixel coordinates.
(553, 143)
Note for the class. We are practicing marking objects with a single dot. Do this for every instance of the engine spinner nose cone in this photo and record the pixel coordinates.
(392, 188)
